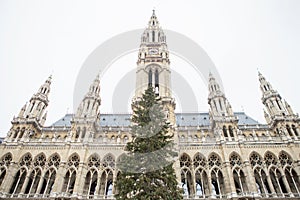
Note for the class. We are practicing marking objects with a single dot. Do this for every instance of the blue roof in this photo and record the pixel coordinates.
(182, 119)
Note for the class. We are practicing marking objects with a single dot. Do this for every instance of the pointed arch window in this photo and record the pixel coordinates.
(186, 175)
(150, 78)
(48, 182)
(225, 131)
(231, 131)
(238, 174)
(70, 177)
(153, 35)
(91, 182)
(201, 178)
(4, 164)
(217, 179)
(156, 82)
(106, 183)
(292, 178)
(295, 130)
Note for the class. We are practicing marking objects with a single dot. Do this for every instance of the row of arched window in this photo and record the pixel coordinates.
(36, 177)
(201, 177)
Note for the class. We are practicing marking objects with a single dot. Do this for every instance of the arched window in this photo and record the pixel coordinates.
(217, 180)
(295, 130)
(201, 179)
(15, 134)
(186, 175)
(108, 161)
(77, 133)
(22, 132)
(35, 175)
(50, 175)
(34, 179)
(231, 131)
(4, 164)
(48, 182)
(156, 82)
(153, 35)
(288, 128)
(238, 174)
(259, 174)
(70, 177)
(106, 179)
(225, 131)
(291, 176)
(277, 181)
(106, 183)
(83, 132)
(69, 181)
(150, 78)
(90, 182)
(24, 163)
(19, 180)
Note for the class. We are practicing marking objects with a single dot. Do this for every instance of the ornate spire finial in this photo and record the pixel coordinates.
(153, 12)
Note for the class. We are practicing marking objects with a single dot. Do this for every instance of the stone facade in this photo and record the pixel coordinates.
(222, 154)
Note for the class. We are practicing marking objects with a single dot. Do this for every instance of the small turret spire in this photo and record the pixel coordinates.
(89, 106)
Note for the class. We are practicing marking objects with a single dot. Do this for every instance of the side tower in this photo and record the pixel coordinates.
(278, 114)
(32, 116)
(88, 113)
(223, 121)
(153, 67)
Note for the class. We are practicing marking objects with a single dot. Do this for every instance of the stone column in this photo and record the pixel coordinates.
(40, 185)
(273, 192)
(209, 184)
(79, 183)
(97, 189)
(9, 177)
(59, 180)
(251, 183)
(228, 180)
(25, 184)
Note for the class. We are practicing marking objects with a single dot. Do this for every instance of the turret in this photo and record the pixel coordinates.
(37, 104)
(89, 106)
(279, 114)
(275, 106)
(221, 114)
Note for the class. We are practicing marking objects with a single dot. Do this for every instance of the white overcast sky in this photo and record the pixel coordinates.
(39, 38)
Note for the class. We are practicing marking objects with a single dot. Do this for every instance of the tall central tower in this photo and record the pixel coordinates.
(153, 67)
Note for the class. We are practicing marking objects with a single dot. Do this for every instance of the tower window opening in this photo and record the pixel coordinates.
(225, 131)
(150, 78)
(220, 104)
(215, 105)
(156, 82)
(265, 88)
(295, 130)
(278, 104)
(153, 35)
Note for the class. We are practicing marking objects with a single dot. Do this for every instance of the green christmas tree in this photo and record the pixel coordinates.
(146, 169)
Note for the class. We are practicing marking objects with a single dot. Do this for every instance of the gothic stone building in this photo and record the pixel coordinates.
(222, 154)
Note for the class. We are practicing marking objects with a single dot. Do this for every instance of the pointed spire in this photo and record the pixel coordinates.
(89, 106)
(22, 111)
(288, 108)
(95, 87)
(153, 33)
(213, 85)
(45, 88)
(265, 86)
